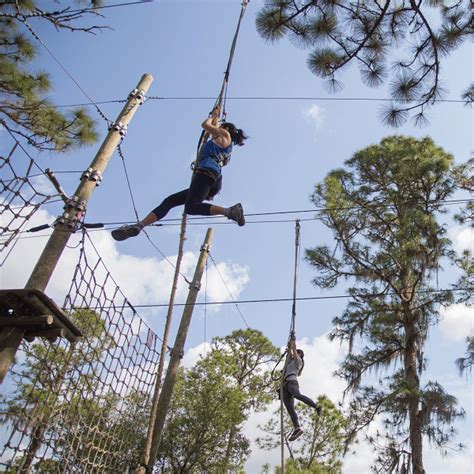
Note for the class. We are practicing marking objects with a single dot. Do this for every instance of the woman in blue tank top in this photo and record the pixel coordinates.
(206, 181)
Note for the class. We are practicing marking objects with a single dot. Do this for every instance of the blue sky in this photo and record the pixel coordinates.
(293, 144)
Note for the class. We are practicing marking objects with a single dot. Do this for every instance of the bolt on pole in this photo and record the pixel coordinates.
(11, 337)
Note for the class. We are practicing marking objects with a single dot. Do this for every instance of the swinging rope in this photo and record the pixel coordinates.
(292, 335)
(147, 452)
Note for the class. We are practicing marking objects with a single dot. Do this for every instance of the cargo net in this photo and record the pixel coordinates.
(24, 188)
(83, 406)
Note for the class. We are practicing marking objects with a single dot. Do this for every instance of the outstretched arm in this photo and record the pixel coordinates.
(211, 126)
(292, 348)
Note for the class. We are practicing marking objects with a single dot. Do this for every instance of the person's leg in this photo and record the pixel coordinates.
(289, 402)
(158, 213)
(294, 390)
(199, 191)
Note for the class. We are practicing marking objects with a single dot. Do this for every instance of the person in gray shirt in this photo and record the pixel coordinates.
(291, 388)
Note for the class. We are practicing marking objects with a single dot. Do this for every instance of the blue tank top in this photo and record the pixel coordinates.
(213, 157)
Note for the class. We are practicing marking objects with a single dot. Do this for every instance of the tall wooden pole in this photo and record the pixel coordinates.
(11, 337)
(76, 205)
(178, 349)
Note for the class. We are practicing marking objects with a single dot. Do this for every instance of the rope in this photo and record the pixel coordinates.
(228, 291)
(35, 35)
(295, 278)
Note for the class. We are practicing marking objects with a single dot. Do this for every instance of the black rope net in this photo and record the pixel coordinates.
(23, 190)
(83, 406)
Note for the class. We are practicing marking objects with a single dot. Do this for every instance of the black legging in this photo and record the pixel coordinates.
(192, 198)
(291, 390)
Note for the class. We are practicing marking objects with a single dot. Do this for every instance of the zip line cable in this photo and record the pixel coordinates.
(303, 298)
(170, 222)
(270, 98)
(58, 62)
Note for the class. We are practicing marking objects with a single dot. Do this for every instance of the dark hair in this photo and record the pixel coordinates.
(301, 354)
(236, 134)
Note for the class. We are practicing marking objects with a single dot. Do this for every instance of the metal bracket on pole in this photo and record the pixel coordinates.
(73, 211)
(196, 285)
(137, 94)
(92, 175)
(55, 183)
(119, 127)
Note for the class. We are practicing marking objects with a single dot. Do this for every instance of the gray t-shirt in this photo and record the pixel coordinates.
(293, 368)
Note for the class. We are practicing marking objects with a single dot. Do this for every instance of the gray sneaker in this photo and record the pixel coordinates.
(297, 432)
(236, 213)
(127, 231)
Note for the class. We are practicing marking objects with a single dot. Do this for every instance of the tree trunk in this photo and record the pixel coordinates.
(413, 382)
(228, 452)
(35, 443)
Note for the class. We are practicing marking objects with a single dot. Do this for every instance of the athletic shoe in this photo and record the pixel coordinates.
(236, 213)
(127, 231)
(297, 432)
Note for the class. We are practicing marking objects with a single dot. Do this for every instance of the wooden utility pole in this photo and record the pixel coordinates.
(66, 225)
(178, 351)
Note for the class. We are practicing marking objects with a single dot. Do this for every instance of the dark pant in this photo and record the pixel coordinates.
(291, 390)
(192, 198)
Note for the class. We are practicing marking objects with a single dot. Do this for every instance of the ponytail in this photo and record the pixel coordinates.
(237, 135)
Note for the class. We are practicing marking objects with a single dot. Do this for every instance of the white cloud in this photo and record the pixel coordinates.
(314, 115)
(462, 238)
(144, 280)
(194, 354)
(457, 322)
(225, 282)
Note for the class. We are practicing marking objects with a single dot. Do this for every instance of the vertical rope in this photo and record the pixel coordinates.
(292, 330)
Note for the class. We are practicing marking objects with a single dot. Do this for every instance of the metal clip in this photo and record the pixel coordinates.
(75, 203)
(92, 175)
(68, 220)
(196, 285)
(118, 127)
(137, 94)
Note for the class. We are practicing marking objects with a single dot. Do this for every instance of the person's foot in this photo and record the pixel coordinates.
(236, 213)
(127, 231)
(297, 432)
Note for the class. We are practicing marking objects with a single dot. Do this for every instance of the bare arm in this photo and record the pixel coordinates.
(211, 126)
(292, 349)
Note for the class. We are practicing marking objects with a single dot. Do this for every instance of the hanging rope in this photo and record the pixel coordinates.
(221, 99)
(150, 435)
(291, 335)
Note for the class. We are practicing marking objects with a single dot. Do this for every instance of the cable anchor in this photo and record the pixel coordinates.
(92, 175)
(138, 95)
(118, 127)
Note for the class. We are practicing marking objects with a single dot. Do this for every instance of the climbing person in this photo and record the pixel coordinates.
(206, 180)
(291, 387)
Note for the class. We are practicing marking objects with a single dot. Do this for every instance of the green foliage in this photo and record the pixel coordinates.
(202, 411)
(230, 382)
(324, 441)
(382, 209)
(24, 108)
(397, 41)
(43, 392)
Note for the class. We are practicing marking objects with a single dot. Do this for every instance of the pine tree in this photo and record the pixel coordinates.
(243, 358)
(324, 441)
(402, 42)
(24, 108)
(382, 208)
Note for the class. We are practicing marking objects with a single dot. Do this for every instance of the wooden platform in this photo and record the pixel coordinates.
(36, 314)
